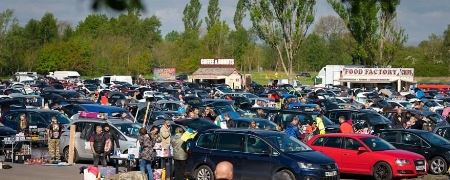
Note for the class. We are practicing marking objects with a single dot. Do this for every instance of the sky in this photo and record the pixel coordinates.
(420, 18)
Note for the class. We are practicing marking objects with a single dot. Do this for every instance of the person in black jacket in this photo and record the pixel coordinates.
(114, 138)
(398, 120)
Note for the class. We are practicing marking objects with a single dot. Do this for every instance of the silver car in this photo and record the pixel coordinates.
(128, 133)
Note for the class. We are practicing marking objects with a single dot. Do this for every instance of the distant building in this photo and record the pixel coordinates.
(360, 76)
(217, 71)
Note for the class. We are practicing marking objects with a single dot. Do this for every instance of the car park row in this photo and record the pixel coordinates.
(395, 135)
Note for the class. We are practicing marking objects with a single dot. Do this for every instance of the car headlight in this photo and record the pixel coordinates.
(304, 165)
(401, 162)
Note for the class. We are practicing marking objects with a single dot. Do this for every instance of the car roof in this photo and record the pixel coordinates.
(416, 131)
(102, 108)
(245, 131)
(346, 135)
(34, 110)
(112, 121)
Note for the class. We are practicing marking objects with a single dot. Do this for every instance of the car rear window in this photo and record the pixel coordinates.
(230, 142)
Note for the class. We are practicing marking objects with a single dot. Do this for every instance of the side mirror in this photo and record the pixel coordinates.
(362, 149)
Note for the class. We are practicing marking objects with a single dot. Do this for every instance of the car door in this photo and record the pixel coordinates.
(11, 120)
(332, 147)
(414, 143)
(230, 147)
(257, 159)
(65, 139)
(352, 159)
(392, 137)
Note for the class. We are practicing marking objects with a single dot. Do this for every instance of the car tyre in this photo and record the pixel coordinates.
(438, 165)
(382, 171)
(66, 154)
(284, 174)
(204, 173)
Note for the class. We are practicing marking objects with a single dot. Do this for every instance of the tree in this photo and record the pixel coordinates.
(446, 45)
(392, 37)
(191, 20)
(329, 26)
(239, 38)
(48, 28)
(282, 25)
(361, 20)
(213, 14)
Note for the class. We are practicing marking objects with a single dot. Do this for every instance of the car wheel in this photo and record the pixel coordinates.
(204, 173)
(382, 171)
(438, 165)
(284, 174)
(66, 154)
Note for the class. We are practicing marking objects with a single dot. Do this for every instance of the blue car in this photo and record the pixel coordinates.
(257, 154)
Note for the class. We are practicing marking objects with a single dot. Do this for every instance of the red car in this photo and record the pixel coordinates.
(369, 155)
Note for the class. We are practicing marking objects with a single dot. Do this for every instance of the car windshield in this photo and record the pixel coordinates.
(286, 143)
(62, 119)
(434, 138)
(377, 144)
(129, 129)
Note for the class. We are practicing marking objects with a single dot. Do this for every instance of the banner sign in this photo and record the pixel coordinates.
(164, 74)
(226, 62)
(391, 74)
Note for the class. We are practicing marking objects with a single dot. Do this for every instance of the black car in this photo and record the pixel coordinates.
(257, 154)
(361, 119)
(36, 117)
(433, 147)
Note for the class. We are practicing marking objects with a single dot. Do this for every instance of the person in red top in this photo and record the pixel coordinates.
(345, 126)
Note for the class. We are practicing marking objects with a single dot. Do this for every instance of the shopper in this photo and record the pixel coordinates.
(23, 124)
(253, 125)
(146, 153)
(224, 171)
(100, 144)
(179, 154)
(320, 124)
(54, 133)
(345, 127)
(113, 136)
(164, 135)
(292, 129)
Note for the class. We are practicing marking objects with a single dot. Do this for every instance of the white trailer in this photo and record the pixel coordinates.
(109, 79)
(65, 75)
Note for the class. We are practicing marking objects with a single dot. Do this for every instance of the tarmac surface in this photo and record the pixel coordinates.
(40, 172)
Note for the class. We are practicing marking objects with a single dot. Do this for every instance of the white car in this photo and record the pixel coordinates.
(128, 133)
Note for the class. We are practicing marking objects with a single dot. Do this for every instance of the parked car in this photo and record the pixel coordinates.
(361, 119)
(244, 123)
(40, 118)
(433, 147)
(369, 155)
(128, 133)
(257, 154)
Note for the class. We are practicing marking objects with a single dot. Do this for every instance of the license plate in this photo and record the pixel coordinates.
(420, 168)
(332, 173)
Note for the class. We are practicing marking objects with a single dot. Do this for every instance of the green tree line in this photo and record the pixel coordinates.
(282, 37)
